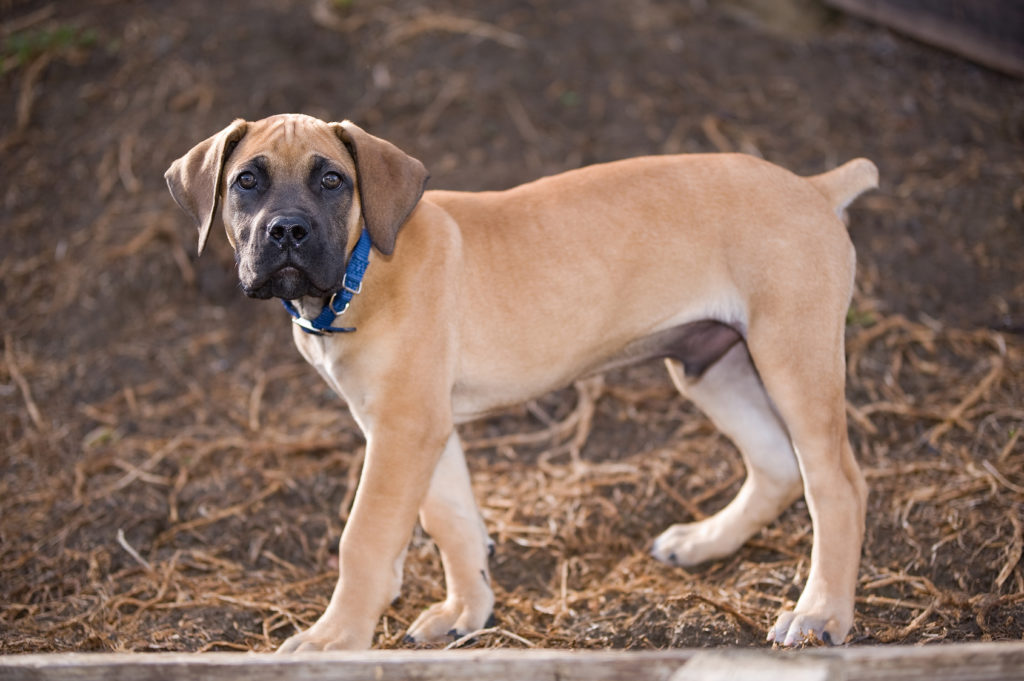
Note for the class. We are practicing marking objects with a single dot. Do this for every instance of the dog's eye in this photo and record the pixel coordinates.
(331, 181)
(246, 180)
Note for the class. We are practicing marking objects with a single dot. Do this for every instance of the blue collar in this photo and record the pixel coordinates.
(351, 284)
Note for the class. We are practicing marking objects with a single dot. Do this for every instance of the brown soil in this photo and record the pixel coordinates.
(174, 477)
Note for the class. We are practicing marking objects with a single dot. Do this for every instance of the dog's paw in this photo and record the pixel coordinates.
(794, 627)
(321, 638)
(452, 619)
(689, 544)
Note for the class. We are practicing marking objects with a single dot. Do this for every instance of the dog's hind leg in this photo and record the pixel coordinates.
(810, 398)
(730, 393)
(450, 516)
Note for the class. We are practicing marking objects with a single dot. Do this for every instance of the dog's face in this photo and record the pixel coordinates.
(288, 193)
(293, 190)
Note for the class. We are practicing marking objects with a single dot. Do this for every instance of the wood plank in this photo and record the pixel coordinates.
(942, 662)
(939, 662)
(990, 32)
(740, 664)
(424, 665)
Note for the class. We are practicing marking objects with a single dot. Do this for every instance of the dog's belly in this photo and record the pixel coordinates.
(697, 345)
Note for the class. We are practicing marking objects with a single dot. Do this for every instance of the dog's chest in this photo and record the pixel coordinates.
(315, 351)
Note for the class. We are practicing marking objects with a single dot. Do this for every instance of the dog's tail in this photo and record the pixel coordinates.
(843, 184)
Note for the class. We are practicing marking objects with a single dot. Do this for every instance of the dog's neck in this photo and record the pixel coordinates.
(310, 306)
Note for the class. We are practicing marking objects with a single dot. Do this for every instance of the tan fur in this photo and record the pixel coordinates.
(492, 298)
(843, 184)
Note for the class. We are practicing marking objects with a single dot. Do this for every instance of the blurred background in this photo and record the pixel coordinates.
(172, 476)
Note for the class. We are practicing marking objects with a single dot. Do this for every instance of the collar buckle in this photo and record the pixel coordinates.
(346, 287)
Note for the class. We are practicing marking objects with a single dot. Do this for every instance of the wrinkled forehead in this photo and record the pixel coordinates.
(291, 143)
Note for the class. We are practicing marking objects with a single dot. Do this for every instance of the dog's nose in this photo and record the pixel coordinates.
(288, 231)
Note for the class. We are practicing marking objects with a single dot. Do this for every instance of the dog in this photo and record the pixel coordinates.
(426, 309)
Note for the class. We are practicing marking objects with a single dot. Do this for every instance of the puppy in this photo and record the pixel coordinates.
(426, 310)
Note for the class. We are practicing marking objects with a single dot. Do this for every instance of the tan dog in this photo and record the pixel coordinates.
(718, 263)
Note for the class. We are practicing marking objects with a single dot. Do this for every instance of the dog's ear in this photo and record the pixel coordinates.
(390, 183)
(194, 179)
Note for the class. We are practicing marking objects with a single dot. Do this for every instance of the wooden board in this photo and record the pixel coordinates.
(948, 662)
(990, 32)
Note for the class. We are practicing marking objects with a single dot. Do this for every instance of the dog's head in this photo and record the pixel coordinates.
(294, 190)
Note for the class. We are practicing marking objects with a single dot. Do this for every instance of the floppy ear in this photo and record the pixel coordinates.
(194, 179)
(390, 183)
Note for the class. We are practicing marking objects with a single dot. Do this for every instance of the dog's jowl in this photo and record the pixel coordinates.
(735, 271)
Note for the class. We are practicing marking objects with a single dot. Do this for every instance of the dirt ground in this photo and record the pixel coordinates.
(174, 477)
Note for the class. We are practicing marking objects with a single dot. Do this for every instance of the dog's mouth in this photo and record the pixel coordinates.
(288, 282)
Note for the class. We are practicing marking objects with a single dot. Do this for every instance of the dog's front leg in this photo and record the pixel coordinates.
(401, 455)
(450, 516)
